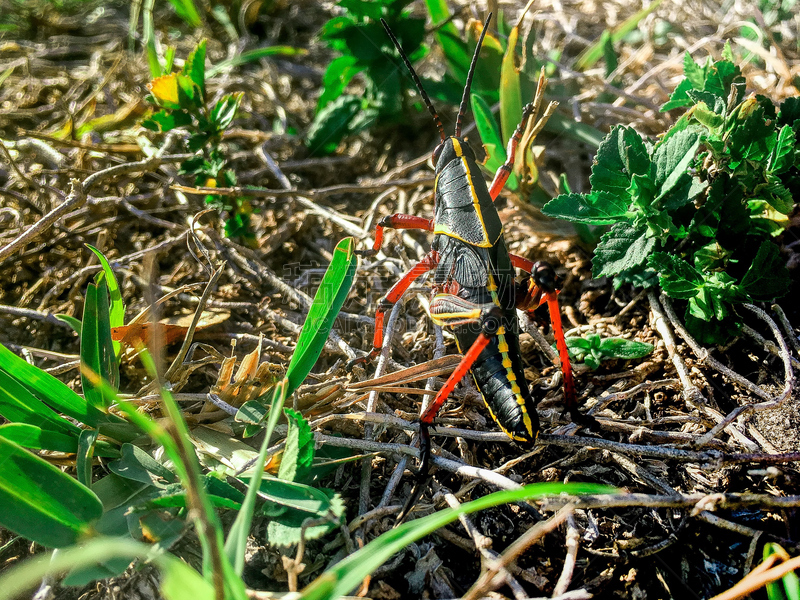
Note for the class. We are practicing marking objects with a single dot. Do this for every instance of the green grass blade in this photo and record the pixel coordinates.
(40, 502)
(581, 132)
(187, 11)
(254, 55)
(74, 323)
(116, 312)
(236, 543)
(149, 40)
(36, 438)
(593, 53)
(133, 23)
(327, 303)
(50, 390)
(455, 50)
(97, 351)
(347, 574)
(18, 405)
(510, 93)
(83, 461)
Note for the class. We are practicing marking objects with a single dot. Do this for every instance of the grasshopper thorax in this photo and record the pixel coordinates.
(452, 148)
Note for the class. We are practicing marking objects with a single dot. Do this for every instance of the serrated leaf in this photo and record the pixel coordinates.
(767, 278)
(597, 208)
(679, 97)
(695, 74)
(298, 455)
(622, 248)
(195, 68)
(782, 156)
(621, 155)
(677, 277)
(331, 124)
(224, 111)
(671, 159)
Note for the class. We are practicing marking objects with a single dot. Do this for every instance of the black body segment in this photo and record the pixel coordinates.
(474, 271)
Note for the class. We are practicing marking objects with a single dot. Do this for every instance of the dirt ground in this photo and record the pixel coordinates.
(66, 63)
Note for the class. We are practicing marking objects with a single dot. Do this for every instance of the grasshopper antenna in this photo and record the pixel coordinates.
(418, 83)
(465, 98)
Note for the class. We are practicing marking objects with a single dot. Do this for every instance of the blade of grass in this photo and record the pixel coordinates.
(327, 303)
(510, 94)
(116, 312)
(42, 503)
(593, 53)
(348, 573)
(254, 55)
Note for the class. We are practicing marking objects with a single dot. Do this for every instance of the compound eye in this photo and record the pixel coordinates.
(437, 152)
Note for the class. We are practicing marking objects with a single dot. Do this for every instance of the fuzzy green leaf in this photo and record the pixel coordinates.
(767, 278)
(671, 159)
(677, 277)
(621, 155)
(623, 247)
(195, 68)
(598, 208)
(298, 455)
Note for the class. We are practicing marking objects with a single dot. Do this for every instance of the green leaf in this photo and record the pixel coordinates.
(677, 277)
(345, 575)
(137, 465)
(36, 438)
(782, 156)
(490, 134)
(328, 301)
(582, 132)
(166, 120)
(679, 97)
(624, 349)
(97, 350)
(767, 278)
(50, 390)
(695, 74)
(331, 124)
(83, 460)
(287, 529)
(179, 581)
(671, 159)
(299, 451)
(116, 311)
(224, 111)
(74, 323)
(621, 156)
(187, 11)
(510, 94)
(195, 68)
(19, 405)
(338, 74)
(622, 248)
(597, 208)
(40, 502)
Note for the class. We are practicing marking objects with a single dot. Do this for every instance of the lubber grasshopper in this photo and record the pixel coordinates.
(474, 288)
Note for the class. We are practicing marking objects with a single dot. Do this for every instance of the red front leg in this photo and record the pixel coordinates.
(396, 221)
(385, 304)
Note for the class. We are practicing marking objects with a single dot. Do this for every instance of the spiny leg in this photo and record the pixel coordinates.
(544, 288)
(396, 221)
(491, 319)
(385, 304)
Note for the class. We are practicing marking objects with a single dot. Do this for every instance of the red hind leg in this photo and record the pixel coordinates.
(385, 303)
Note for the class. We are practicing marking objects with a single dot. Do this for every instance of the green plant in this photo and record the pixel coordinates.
(141, 494)
(183, 102)
(591, 349)
(365, 49)
(697, 211)
(788, 587)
